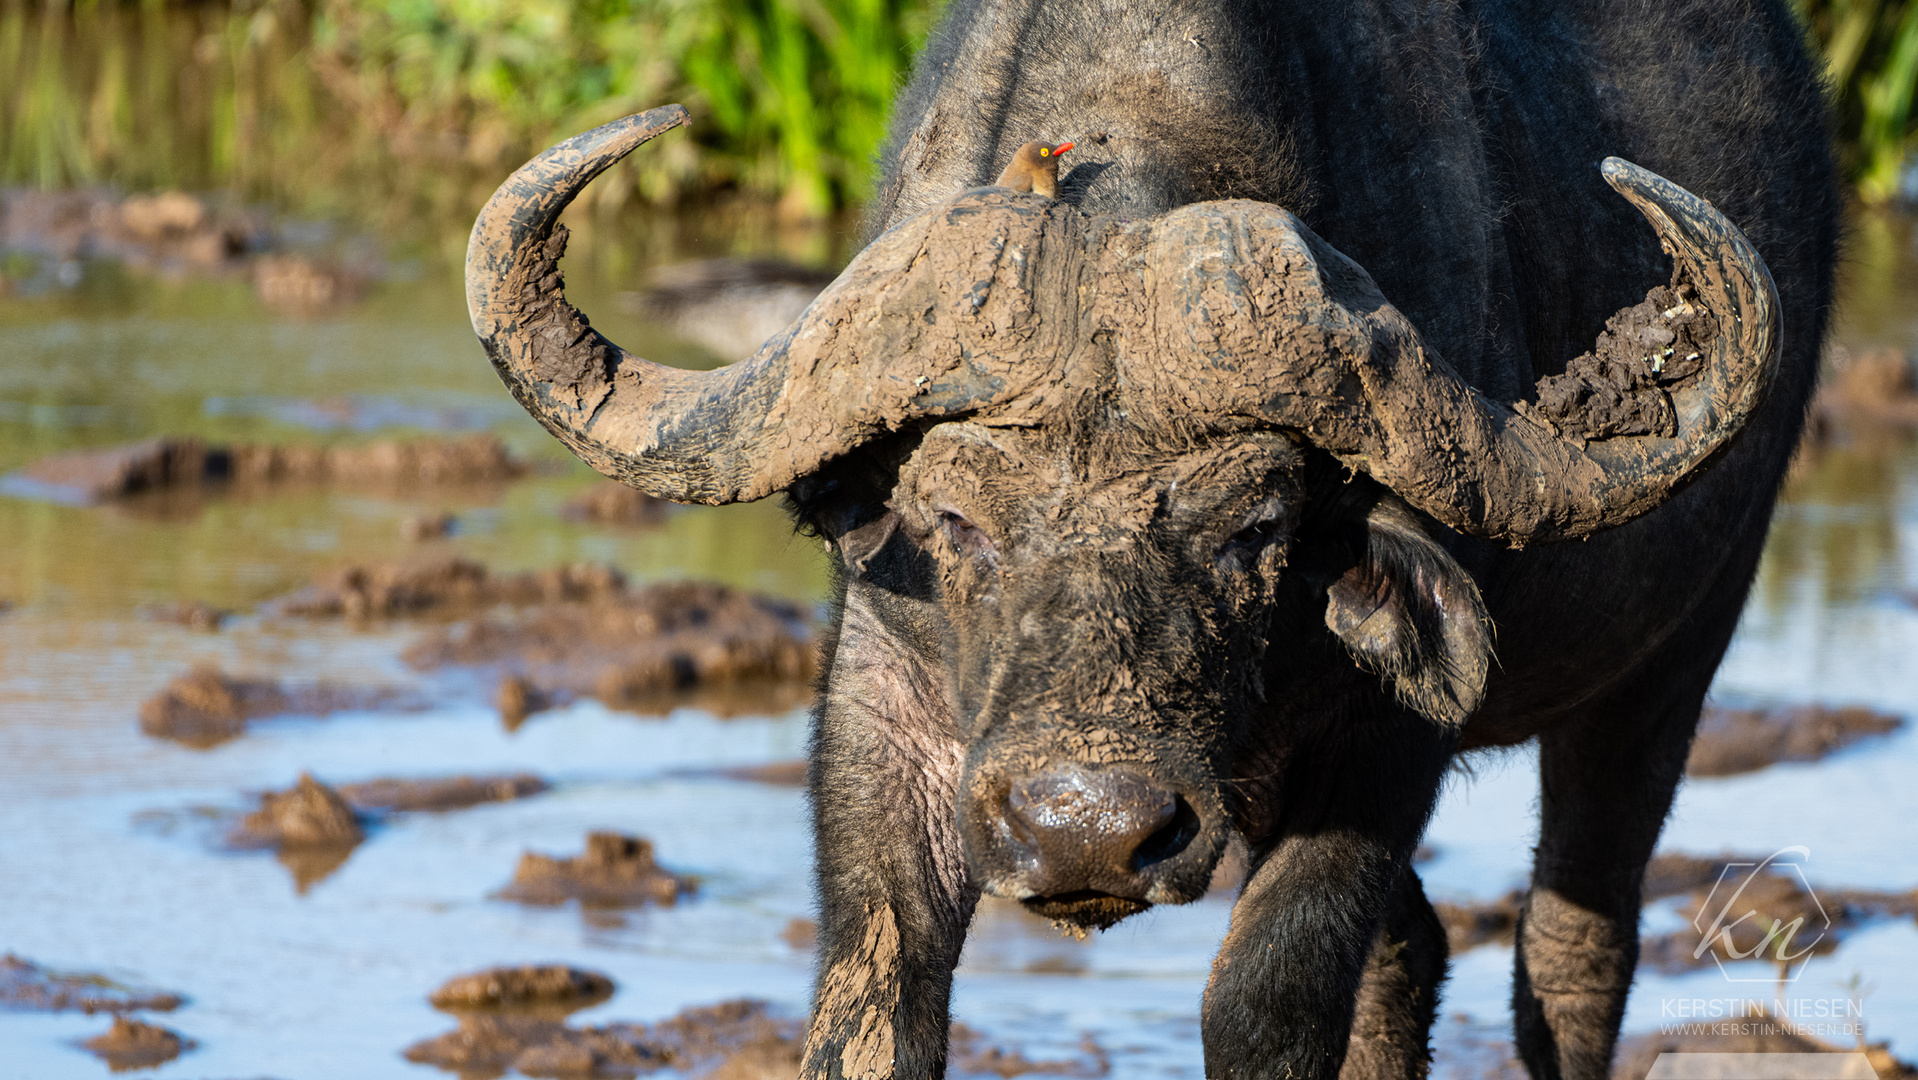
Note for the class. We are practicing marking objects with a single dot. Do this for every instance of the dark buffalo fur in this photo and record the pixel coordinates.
(1312, 661)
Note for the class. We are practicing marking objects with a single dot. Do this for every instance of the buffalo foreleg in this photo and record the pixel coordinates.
(1606, 785)
(894, 891)
(1398, 999)
(1286, 985)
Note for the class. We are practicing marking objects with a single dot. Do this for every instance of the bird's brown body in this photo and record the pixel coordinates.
(1035, 168)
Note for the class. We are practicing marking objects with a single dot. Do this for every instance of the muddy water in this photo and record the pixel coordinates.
(108, 853)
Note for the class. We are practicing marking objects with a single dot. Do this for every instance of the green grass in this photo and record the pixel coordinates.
(1870, 50)
(341, 106)
(403, 111)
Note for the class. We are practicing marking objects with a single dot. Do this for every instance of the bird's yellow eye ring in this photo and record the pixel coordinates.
(1045, 151)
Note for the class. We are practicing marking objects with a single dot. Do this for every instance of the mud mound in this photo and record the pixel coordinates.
(1874, 385)
(614, 871)
(172, 463)
(1467, 926)
(26, 985)
(192, 614)
(444, 585)
(778, 773)
(523, 987)
(133, 1044)
(114, 472)
(309, 826)
(1675, 873)
(636, 649)
(307, 814)
(1618, 388)
(612, 503)
(301, 285)
(971, 1053)
(736, 1040)
(730, 306)
(205, 707)
(474, 459)
(391, 795)
(801, 934)
(422, 527)
(1733, 741)
(517, 698)
(169, 232)
(1747, 1034)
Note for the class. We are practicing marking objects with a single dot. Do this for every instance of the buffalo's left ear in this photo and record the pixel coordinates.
(1411, 614)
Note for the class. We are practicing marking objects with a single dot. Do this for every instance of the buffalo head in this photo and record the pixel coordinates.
(1093, 463)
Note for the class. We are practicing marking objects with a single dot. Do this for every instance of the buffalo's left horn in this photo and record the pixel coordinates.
(922, 324)
(1255, 284)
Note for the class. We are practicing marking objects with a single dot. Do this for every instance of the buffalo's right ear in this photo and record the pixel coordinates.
(1410, 613)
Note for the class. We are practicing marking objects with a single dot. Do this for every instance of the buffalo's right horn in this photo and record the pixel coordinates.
(934, 319)
(1277, 325)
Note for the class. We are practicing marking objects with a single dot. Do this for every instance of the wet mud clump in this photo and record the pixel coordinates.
(1734, 741)
(391, 795)
(302, 285)
(1871, 386)
(309, 826)
(1619, 387)
(192, 614)
(169, 232)
(734, 1040)
(307, 814)
(729, 306)
(614, 871)
(206, 707)
(778, 773)
(1467, 926)
(524, 988)
(422, 527)
(176, 463)
(26, 985)
(801, 934)
(641, 649)
(609, 502)
(971, 1053)
(443, 586)
(517, 698)
(134, 1044)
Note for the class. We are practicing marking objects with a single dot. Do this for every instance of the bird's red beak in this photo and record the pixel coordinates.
(1061, 148)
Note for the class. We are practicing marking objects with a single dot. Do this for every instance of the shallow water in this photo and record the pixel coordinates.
(108, 861)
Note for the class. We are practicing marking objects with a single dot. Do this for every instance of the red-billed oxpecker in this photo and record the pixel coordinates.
(1035, 168)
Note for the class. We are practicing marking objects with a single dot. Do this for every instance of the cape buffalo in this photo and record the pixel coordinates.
(1155, 523)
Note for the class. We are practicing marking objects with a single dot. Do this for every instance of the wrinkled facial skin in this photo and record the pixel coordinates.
(1102, 615)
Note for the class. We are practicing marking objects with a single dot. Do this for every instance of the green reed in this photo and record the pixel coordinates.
(1870, 52)
(401, 107)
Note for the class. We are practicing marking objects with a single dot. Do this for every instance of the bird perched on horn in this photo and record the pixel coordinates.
(1035, 168)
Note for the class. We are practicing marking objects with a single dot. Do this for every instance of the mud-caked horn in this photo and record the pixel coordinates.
(1277, 325)
(936, 318)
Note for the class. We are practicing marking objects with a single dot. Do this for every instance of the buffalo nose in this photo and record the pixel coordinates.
(1098, 830)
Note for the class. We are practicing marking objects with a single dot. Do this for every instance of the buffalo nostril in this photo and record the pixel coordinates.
(1171, 838)
(1097, 829)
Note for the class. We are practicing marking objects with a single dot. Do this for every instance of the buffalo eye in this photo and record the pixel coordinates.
(964, 535)
(1244, 547)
